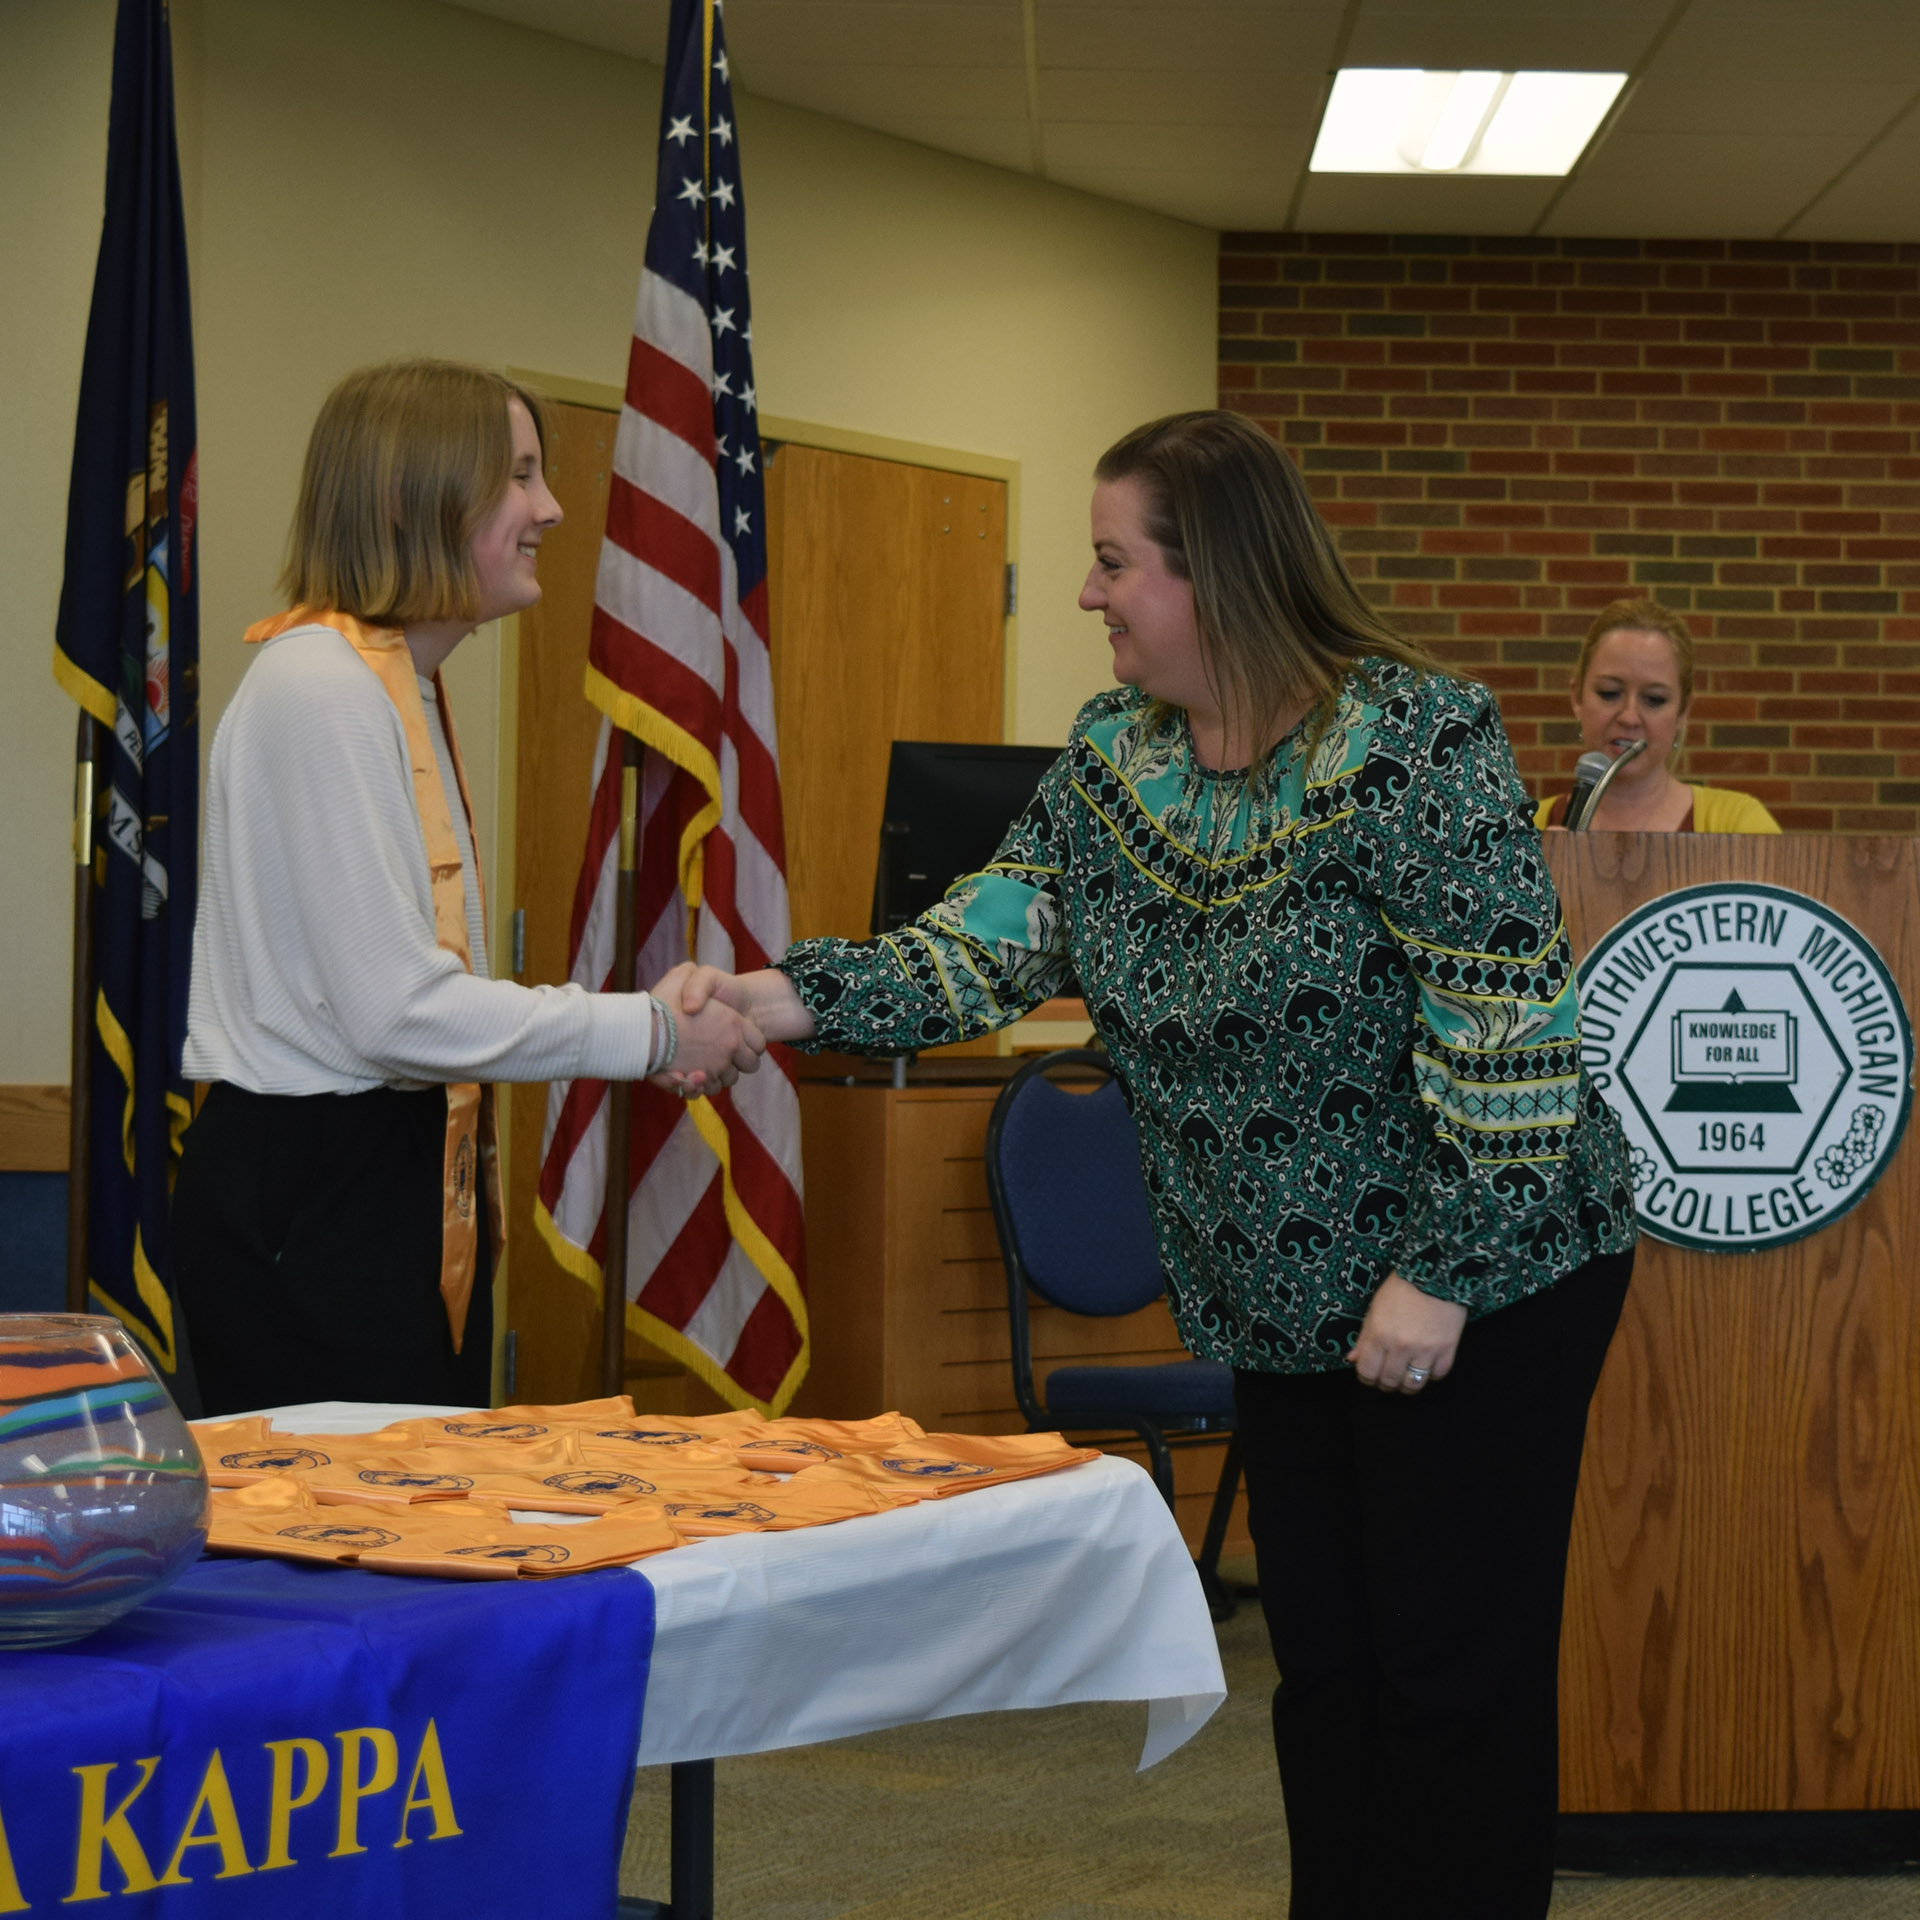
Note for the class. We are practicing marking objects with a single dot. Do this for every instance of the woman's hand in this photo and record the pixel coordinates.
(762, 1006)
(1407, 1338)
(767, 998)
(716, 1043)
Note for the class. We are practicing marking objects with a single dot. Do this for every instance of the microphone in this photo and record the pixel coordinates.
(1587, 775)
(1592, 775)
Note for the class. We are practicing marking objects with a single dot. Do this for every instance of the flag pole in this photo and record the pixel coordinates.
(613, 1276)
(79, 1194)
(696, 659)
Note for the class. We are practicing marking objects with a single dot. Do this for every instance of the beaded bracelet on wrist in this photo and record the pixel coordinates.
(663, 1023)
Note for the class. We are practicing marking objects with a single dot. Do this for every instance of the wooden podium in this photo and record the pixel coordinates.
(1743, 1594)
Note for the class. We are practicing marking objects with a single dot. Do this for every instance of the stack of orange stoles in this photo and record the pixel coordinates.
(439, 1495)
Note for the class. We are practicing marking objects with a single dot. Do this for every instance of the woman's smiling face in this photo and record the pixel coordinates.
(1631, 692)
(1147, 607)
(506, 546)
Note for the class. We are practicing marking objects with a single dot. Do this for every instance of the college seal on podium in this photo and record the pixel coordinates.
(1759, 1056)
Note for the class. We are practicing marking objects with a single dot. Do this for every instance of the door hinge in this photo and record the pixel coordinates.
(519, 941)
(1013, 589)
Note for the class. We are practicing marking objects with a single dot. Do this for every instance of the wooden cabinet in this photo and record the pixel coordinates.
(907, 1295)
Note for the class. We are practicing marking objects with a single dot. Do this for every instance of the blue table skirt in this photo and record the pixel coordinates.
(276, 1739)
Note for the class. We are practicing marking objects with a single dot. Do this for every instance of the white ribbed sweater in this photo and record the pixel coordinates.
(315, 968)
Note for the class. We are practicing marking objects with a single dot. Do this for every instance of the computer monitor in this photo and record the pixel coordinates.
(948, 808)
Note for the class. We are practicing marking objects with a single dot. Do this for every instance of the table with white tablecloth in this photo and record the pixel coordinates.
(1069, 1587)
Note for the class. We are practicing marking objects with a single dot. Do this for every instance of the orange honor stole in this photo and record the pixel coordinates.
(472, 1155)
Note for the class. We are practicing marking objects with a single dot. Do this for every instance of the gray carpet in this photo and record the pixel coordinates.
(1040, 1816)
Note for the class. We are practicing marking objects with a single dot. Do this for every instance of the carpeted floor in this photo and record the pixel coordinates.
(1040, 1816)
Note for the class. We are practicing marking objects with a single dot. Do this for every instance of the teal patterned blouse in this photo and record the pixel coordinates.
(1337, 991)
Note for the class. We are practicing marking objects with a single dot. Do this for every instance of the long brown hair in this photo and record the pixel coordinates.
(1279, 617)
(405, 461)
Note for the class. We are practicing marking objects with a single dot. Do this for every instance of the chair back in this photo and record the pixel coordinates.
(1063, 1172)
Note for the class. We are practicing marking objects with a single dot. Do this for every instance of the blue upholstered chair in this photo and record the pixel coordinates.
(1063, 1172)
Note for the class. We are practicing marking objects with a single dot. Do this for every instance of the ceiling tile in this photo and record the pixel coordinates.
(876, 33)
(1268, 152)
(634, 27)
(1000, 143)
(1878, 200)
(1724, 46)
(1402, 203)
(1668, 102)
(867, 95)
(1670, 185)
(1204, 39)
(1544, 10)
(1203, 108)
(1142, 98)
(1578, 39)
(1207, 199)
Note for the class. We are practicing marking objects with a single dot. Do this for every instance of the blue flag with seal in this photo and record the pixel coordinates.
(127, 648)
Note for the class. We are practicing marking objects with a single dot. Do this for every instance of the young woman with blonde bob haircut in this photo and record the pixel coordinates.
(1634, 681)
(336, 1211)
(1291, 864)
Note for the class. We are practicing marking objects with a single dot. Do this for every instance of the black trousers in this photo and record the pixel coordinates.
(306, 1247)
(1412, 1555)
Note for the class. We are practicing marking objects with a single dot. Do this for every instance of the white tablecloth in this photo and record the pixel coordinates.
(1072, 1586)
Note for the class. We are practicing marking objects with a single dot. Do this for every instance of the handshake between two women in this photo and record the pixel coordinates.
(722, 1023)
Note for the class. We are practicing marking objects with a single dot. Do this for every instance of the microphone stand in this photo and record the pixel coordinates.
(1632, 751)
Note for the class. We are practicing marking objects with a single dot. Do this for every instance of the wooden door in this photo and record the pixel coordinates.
(884, 588)
(555, 1318)
(886, 584)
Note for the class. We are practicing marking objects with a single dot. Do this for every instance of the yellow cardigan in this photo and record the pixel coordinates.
(1715, 810)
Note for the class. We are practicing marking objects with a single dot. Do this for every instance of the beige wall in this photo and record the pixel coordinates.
(54, 57)
(374, 177)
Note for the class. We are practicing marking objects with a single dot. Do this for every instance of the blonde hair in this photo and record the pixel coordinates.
(404, 463)
(1279, 617)
(1642, 616)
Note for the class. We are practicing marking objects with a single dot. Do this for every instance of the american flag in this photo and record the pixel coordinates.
(679, 659)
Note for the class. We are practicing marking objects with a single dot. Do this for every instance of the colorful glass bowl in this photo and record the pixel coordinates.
(103, 1498)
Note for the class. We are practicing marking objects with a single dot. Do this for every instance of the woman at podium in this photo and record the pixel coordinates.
(1290, 861)
(1634, 682)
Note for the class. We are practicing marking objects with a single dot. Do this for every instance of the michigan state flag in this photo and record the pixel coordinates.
(127, 649)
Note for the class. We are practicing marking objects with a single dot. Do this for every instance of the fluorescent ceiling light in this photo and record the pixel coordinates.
(1412, 120)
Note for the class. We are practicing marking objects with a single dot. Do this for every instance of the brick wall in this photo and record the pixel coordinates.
(1506, 434)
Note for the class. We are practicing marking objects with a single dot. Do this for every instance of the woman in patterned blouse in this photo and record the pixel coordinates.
(1291, 864)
